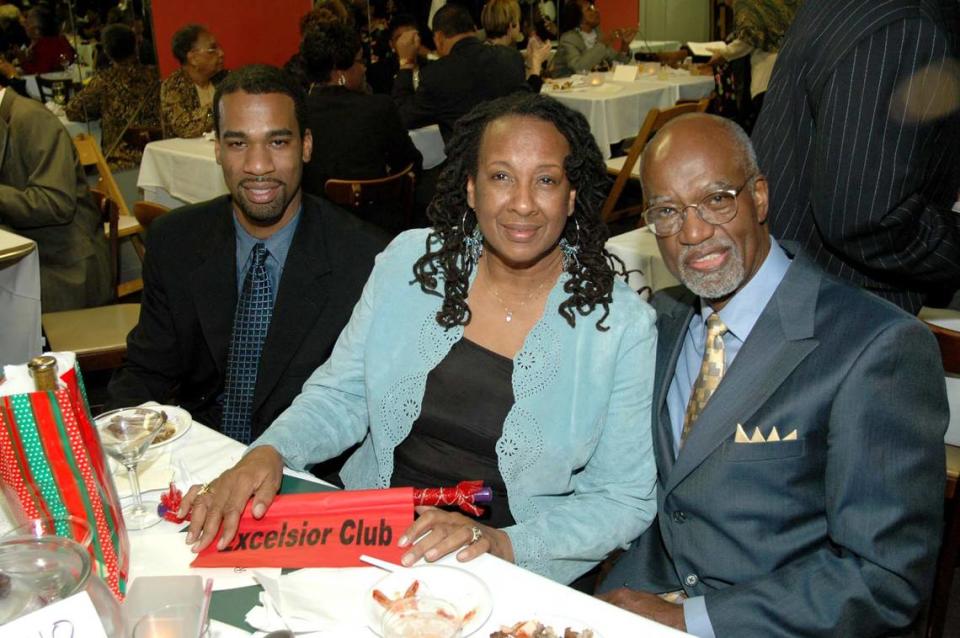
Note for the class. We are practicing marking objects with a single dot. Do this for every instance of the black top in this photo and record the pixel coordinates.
(355, 136)
(466, 400)
(450, 87)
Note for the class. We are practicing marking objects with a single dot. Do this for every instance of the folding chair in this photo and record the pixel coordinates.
(98, 335)
(628, 168)
(359, 195)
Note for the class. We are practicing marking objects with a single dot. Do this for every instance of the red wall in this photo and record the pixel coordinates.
(618, 14)
(266, 31)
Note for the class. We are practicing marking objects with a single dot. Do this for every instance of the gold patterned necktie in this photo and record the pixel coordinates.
(711, 371)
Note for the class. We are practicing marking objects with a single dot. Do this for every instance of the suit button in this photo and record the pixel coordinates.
(692, 580)
(679, 517)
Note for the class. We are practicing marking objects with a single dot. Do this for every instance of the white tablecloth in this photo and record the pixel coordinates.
(430, 144)
(180, 171)
(19, 299)
(638, 250)
(73, 73)
(517, 593)
(615, 110)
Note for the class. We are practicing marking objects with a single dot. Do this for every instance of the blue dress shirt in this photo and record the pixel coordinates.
(278, 245)
(739, 315)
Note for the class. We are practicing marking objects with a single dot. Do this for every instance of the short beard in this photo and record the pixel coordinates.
(718, 284)
(262, 214)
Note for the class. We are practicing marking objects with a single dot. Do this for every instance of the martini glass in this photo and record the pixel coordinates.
(126, 434)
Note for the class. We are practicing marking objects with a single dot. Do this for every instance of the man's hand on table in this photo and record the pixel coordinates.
(258, 474)
(449, 531)
(647, 605)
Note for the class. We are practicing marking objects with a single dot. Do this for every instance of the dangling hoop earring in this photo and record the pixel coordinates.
(473, 242)
(342, 81)
(570, 251)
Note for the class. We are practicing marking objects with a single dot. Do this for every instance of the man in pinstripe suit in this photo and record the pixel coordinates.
(859, 137)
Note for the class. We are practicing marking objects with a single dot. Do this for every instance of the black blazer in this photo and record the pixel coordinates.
(178, 351)
(471, 73)
(355, 136)
(862, 164)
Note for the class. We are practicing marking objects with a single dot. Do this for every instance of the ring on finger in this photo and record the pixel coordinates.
(476, 534)
(206, 489)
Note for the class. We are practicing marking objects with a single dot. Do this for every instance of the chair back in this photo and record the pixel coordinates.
(110, 217)
(137, 137)
(90, 155)
(358, 194)
(50, 86)
(949, 343)
(147, 212)
(656, 119)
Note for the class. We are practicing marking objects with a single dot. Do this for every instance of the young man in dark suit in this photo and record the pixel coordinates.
(245, 295)
(467, 73)
(798, 422)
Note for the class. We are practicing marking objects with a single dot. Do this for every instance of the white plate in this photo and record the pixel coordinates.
(179, 418)
(458, 587)
(559, 623)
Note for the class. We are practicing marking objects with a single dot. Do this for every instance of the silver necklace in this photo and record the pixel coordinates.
(508, 314)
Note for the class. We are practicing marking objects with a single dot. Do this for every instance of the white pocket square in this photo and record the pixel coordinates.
(741, 436)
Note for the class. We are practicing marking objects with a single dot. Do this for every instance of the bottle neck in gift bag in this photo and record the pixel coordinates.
(43, 369)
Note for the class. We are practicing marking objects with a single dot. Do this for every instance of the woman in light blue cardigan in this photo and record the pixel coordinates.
(507, 306)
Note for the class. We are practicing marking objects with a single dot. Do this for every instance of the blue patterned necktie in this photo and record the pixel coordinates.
(250, 324)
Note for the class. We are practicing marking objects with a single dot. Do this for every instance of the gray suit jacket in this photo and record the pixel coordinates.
(835, 533)
(573, 56)
(44, 196)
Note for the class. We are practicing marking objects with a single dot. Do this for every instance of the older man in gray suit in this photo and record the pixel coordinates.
(798, 422)
(44, 196)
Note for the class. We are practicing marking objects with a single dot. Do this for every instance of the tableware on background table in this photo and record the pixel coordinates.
(179, 620)
(48, 569)
(125, 435)
(463, 590)
(178, 423)
(422, 618)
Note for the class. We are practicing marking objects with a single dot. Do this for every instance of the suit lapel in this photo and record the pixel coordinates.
(214, 286)
(304, 291)
(780, 340)
(671, 328)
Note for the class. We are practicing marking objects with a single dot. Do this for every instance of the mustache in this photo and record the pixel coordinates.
(695, 252)
(261, 180)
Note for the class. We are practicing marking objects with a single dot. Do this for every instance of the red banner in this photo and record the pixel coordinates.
(327, 529)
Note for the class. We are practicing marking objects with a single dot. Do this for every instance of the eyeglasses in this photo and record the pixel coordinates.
(717, 207)
(213, 48)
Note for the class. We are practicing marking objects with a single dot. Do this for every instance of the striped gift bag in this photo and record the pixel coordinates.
(52, 465)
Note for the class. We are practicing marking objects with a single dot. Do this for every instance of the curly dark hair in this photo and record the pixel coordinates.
(328, 47)
(591, 275)
(183, 40)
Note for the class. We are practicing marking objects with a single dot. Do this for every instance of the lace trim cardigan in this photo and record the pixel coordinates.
(576, 451)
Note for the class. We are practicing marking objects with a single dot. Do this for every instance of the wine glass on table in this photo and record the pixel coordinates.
(126, 434)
